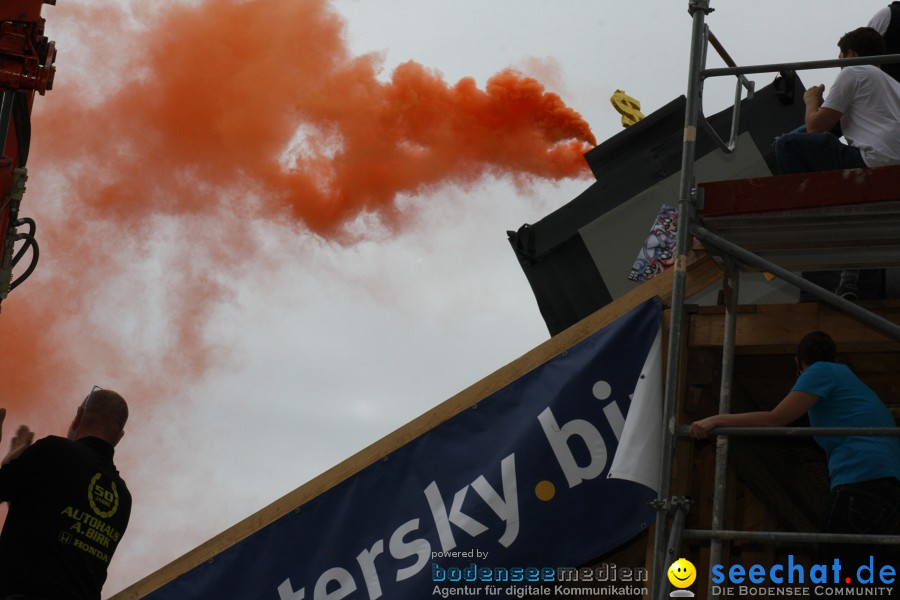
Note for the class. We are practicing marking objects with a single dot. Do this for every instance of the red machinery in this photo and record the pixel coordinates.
(26, 67)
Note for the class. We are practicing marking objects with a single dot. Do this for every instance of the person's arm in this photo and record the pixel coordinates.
(20, 442)
(818, 118)
(792, 407)
(13, 470)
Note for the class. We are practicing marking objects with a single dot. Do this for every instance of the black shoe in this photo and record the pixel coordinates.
(848, 291)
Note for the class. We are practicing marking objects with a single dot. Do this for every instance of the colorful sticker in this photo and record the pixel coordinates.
(658, 251)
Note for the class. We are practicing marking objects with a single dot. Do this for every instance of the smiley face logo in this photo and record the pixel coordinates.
(682, 573)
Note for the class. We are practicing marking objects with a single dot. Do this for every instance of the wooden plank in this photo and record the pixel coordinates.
(703, 485)
(701, 273)
(778, 329)
(801, 191)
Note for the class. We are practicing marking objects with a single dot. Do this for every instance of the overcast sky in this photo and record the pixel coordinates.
(314, 346)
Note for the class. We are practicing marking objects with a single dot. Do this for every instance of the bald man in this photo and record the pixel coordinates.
(68, 506)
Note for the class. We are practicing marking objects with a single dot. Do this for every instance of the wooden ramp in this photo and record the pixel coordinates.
(775, 486)
(701, 273)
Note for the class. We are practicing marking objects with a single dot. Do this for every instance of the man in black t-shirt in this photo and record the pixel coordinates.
(887, 22)
(68, 506)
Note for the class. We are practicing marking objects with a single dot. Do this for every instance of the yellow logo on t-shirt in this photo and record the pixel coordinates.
(104, 500)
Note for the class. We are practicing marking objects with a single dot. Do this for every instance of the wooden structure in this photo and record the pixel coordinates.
(773, 484)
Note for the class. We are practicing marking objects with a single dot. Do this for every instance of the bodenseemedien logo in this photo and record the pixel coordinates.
(104, 500)
(682, 574)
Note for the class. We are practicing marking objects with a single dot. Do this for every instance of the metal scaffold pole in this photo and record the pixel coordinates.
(698, 10)
(859, 313)
(731, 288)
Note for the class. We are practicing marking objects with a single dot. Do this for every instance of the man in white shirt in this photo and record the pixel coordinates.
(866, 103)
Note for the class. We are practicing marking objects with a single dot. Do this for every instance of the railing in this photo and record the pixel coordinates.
(743, 82)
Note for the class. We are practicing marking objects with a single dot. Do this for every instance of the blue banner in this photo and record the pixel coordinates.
(518, 481)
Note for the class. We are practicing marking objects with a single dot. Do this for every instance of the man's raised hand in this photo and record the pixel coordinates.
(23, 438)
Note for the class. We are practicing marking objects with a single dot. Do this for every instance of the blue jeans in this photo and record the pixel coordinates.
(871, 507)
(802, 152)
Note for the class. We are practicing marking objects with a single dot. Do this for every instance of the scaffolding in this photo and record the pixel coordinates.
(735, 257)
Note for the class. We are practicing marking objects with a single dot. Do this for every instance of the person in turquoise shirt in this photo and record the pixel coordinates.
(864, 471)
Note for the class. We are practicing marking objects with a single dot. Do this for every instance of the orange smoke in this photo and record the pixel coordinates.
(229, 84)
(249, 109)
